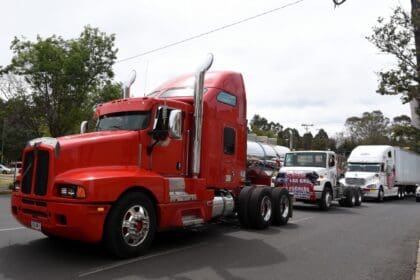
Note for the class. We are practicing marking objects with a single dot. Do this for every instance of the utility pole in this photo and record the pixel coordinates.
(306, 126)
(291, 140)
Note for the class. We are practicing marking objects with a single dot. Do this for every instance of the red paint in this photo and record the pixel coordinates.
(109, 163)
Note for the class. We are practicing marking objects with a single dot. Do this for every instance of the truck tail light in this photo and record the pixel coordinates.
(71, 191)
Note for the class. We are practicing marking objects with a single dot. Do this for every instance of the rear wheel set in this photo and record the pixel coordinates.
(258, 207)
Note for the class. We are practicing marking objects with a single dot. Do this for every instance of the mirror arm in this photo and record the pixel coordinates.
(151, 146)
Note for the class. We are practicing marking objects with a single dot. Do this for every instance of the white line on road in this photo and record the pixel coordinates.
(301, 220)
(122, 263)
(10, 229)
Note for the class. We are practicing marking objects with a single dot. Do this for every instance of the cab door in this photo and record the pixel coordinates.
(167, 155)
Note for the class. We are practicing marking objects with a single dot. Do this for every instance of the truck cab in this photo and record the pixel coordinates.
(372, 168)
(173, 159)
(311, 176)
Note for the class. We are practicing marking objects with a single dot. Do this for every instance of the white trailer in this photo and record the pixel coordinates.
(407, 169)
(382, 171)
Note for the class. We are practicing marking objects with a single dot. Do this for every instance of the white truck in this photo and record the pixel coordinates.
(383, 171)
(312, 177)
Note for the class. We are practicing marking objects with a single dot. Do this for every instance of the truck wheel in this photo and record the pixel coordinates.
(260, 208)
(130, 226)
(359, 197)
(281, 206)
(326, 199)
(380, 197)
(350, 199)
(243, 205)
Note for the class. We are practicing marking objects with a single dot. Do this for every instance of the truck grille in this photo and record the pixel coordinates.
(355, 181)
(28, 168)
(39, 158)
(41, 180)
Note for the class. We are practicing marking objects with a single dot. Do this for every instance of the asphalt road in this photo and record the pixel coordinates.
(375, 241)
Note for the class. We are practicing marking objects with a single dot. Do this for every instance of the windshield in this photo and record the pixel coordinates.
(306, 159)
(123, 121)
(364, 167)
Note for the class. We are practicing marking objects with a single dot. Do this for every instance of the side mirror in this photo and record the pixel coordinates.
(83, 127)
(175, 124)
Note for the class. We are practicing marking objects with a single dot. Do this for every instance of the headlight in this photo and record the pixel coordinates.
(71, 191)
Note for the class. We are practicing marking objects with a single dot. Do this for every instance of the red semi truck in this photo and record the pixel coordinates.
(174, 159)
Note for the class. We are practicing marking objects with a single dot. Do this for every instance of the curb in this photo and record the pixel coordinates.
(5, 192)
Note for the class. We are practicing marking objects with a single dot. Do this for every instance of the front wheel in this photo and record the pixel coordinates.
(359, 197)
(381, 195)
(130, 226)
(326, 199)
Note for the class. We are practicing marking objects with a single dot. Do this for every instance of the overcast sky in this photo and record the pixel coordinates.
(309, 63)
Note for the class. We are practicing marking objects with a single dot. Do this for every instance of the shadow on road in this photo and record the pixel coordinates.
(213, 250)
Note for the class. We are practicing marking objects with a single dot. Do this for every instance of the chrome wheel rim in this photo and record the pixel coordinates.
(284, 207)
(135, 225)
(360, 198)
(353, 200)
(381, 194)
(265, 209)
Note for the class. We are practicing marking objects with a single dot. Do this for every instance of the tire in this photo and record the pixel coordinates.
(326, 199)
(359, 197)
(243, 205)
(417, 199)
(4, 172)
(260, 208)
(350, 199)
(380, 197)
(281, 206)
(132, 212)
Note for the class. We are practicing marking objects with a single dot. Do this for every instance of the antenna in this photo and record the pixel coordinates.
(306, 126)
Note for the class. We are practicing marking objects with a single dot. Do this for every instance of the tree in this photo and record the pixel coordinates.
(307, 141)
(371, 128)
(396, 37)
(404, 134)
(321, 141)
(65, 76)
(18, 117)
(260, 126)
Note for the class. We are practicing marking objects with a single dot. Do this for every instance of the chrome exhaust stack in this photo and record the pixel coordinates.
(127, 85)
(198, 113)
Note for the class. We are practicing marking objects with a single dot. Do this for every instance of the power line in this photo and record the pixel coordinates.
(210, 31)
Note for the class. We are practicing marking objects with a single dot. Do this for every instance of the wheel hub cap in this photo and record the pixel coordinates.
(266, 208)
(135, 225)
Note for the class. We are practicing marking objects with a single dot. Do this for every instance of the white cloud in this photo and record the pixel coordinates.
(306, 63)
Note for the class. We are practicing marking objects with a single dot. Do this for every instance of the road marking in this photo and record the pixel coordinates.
(301, 220)
(122, 263)
(418, 263)
(10, 229)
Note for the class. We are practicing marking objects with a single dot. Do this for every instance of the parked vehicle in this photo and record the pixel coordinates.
(311, 176)
(262, 163)
(5, 170)
(173, 159)
(281, 152)
(382, 171)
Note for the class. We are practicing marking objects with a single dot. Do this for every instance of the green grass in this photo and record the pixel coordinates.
(6, 182)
